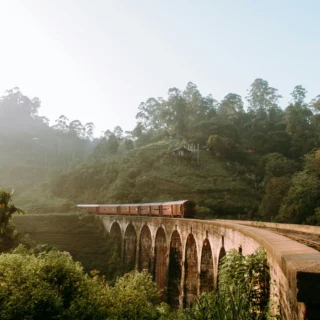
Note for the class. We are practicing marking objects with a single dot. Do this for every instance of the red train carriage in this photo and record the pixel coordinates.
(151, 209)
(132, 209)
(108, 209)
(181, 208)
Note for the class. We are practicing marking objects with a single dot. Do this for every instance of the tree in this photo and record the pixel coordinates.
(261, 96)
(299, 95)
(297, 119)
(107, 146)
(76, 127)
(199, 108)
(301, 125)
(175, 112)
(118, 133)
(275, 165)
(275, 190)
(301, 200)
(14, 100)
(231, 105)
(135, 296)
(7, 209)
(224, 147)
(62, 124)
(149, 114)
(89, 128)
(315, 103)
(8, 236)
(19, 113)
(53, 287)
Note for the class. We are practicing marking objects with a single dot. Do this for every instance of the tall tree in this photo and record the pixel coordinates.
(315, 104)
(174, 112)
(231, 104)
(199, 108)
(299, 95)
(77, 128)
(62, 124)
(148, 114)
(89, 128)
(118, 132)
(261, 96)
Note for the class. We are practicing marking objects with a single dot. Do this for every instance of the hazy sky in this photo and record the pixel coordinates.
(96, 60)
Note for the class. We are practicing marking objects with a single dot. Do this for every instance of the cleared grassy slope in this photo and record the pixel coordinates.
(83, 236)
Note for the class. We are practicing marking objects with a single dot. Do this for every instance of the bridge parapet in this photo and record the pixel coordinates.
(314, 230)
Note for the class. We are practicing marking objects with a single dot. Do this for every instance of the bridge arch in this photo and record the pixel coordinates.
(174, 269)
(129, 247)
(145, 260)
(222, 253)
(115, 249)
(206, 268)
(160, 256)
(191, 271)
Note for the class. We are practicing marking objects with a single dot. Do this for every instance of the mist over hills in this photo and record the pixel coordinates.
(255, 161)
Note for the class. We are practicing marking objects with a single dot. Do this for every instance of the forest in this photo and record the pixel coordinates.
(257, 159)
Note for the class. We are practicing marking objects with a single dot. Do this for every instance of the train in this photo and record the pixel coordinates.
(176, 209)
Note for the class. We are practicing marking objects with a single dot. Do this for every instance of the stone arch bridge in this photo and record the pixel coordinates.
(183, 255)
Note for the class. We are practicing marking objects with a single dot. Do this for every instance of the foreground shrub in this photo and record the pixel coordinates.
(50, 285)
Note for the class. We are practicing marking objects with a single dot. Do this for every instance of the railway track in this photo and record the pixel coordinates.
(304, 240)
(309, 240)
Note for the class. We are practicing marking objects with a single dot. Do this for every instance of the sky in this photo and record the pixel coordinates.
(97, 60)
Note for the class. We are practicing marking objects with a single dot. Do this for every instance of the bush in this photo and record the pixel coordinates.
(48, 284)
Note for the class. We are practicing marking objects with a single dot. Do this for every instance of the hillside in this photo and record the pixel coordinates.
(150, 174)
(256, 161)
(31, 149)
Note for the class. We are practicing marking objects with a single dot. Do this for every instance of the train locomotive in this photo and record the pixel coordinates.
(177, 209)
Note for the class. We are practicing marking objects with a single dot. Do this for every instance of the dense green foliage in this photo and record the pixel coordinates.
(243, 290)
(7, 209)
(48, 284)
(254, 158)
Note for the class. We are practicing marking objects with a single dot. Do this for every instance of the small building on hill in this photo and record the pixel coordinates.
(182, 153)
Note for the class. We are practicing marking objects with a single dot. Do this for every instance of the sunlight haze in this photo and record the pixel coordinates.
(97, 60)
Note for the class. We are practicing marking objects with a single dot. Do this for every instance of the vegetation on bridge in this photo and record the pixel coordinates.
(243, 291)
